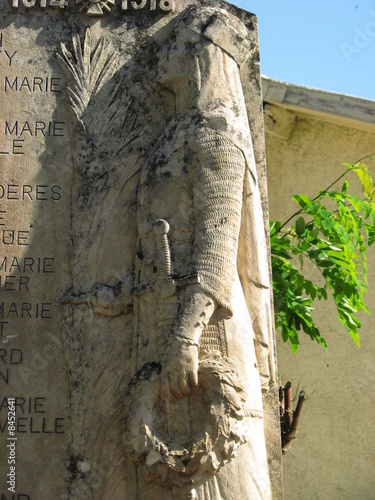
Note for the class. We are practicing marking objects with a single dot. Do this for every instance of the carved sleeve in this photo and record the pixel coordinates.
(217, 176)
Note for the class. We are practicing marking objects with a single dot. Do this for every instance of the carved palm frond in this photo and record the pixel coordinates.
(86, 70)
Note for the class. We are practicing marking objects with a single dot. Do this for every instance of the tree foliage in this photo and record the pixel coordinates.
(332, 231)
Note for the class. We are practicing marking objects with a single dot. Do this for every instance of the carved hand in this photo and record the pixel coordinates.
(180, 360)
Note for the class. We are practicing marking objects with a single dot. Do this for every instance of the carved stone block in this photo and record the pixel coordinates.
(135, 314)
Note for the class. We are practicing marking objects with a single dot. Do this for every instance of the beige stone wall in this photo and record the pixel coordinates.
(333, 457)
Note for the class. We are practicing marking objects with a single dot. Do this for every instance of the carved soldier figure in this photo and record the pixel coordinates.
(202, 345)
(198, 197)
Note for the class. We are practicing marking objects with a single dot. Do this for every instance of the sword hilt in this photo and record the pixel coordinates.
(161, 229)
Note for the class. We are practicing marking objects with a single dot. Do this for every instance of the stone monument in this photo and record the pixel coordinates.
(135, 312)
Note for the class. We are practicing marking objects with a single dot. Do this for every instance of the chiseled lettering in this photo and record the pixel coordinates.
(56, 196)
(26, 128)
(41, 192)
(13, 310)
(38, 83)
(48, 263)
(33, 431)
(55, 85)
(152, 5)
(38, 192)
(34, 404)
(13, 283)
(20, 496)
(5, 376)
(39, 404)
(8, 84)
(30, 405)
(2, 323)
(20, 425)
(12, 192)
(9, 131)
(17, 147)
(14, 264)
(26, 310)
(23, 283)
(10, 57)
(34, 84)
(44, 265)
(138, 6)
(25, 84)
(42, 3)
(59, 426)
(4, 403)
(40, 126)
(28, 263)
(35, 425)
(14, 237)
(59, 3)
(44, 310)
(165, 5)
(27, 190)
(11, 357)
(57, 130)
(29, 3)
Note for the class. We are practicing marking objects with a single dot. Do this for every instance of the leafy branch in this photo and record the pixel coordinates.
(333, 231)
(85, 69)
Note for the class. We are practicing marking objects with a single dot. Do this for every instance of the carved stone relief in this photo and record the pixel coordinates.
(97, 8)
(163, 312)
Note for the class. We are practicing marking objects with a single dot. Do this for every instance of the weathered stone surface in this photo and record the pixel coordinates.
(135, 300)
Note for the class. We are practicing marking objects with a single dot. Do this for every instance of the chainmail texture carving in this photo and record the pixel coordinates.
(217, 199)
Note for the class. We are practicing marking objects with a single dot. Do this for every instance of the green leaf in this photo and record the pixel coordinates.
(300, 226)
(323, 263)
(303, 200)
(325, 213)
(328, 223)
(367, 209)
(313, 234)
(275, 227)
(366, 180)
(345, 186)
(332, 231)
(354, 335)
(356, 202)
